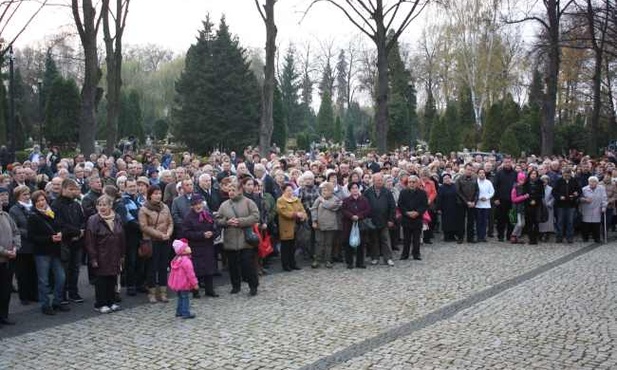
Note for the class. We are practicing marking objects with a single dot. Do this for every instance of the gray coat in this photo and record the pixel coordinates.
(326, 213)
(246, 211)
(10, 238)
(592, 211)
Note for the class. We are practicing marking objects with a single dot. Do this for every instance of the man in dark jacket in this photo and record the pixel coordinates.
(566, 194)
(467, 190)
(504, 181)
(383, 212)
(412, 202)
(88, 203)
(210, 195)
(72, 223)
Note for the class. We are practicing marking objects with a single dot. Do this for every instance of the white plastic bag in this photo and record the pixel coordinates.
(354, 236)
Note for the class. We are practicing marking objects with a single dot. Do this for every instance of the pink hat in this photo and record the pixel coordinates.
(521, 176)
(180, 245)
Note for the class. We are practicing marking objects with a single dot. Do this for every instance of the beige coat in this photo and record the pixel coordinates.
(246, 211)
(155, 225)
(287, 210)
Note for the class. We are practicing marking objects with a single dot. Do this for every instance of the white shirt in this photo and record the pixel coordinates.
(486, 191)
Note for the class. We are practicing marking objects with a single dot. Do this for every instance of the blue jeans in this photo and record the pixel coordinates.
(482, 222)
(565, 223)
(45, 264)
(184, 302)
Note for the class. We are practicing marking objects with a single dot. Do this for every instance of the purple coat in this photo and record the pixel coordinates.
(204, 254)
(354, 207)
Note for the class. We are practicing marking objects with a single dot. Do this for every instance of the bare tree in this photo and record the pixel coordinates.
(113, 59)
(8, 10)
(375, 19)
(266, 125)
(87, 22)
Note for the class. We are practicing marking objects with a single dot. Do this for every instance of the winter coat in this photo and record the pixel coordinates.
(287, 209)
(412, 200)
(180, 207)
(245, 210)
(88, 203)
(71, 219)
(383, 208)
(105, 246)
(354, 207)
(9, 236)
(566, 189)
(211, 197)
(204, 253)
(504, 181)
(592, 211)
(518, 196)
(182, 275)
(467, 189)
(451, 209)
(20, 215)
(153, 223)
(326, 213)
(611, 193)
(549, 202)
(41, 227)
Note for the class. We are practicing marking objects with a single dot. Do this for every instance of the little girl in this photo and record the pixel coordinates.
(182, 277)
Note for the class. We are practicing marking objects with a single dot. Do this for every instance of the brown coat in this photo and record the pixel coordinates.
(287, 210)
(154, 225)
(106, 247)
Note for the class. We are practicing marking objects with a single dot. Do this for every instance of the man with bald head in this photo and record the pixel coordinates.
(383, 211)
(210, 195)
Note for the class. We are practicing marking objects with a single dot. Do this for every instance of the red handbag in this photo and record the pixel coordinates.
(265, 244)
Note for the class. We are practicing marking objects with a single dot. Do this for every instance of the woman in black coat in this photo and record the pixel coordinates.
(45, 235)
(448, 203)
(199, 228)
(533, 211)
(24, 263)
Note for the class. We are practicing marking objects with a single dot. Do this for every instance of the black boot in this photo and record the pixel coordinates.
(209, 287)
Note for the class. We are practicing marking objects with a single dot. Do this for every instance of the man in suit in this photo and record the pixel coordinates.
(412, 202)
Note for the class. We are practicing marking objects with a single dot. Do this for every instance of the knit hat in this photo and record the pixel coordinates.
(180, 245)
(521, 176)
(143, 180)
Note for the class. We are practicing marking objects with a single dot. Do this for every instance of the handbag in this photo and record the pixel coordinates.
(250, 236)
(145, 245)
(265, 245)
(354, 236)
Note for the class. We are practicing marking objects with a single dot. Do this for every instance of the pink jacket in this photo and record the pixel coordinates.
(182, 275)
(516, 199)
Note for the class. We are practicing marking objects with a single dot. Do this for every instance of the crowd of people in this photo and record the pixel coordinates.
(121, 215)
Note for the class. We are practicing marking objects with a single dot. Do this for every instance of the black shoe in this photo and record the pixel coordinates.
(142, 289)
(500, 239)
(396, 249)
(482, 241)
(428, 242)
(25, 302)
(218, 273)
(211, 294)
(459, 241)
(471, 241)
(48, 311)
(117, 298)
(253, 292)
(286, 269)
(75, 298)
(597, 241)
(5, 321)
(417, 258)
(570, 241)
(585, 240)
(235, 291)
(64, 302)
(361, 266)
(559, 240)
(61, 308)
(403, 258)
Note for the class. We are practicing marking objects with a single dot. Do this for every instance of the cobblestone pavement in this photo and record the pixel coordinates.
(564, 319)
(300, 318)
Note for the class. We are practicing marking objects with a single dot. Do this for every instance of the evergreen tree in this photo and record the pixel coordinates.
(217, 94)
(289, 90)
(49, 76)
(160, 128)
(341, 83)
(509, 143)
(279, 134)
(62, 112)
(130, 119)
(327, 81)
(325, 117)
(350, 137)
(493, 128)
(430, 112)
(453, 130)
(358, 122)
(439, 141)
(402, 102)
(307, 90)
(338, 131)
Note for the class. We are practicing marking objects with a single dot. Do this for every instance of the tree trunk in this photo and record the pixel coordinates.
(552, 75)
(113, 59)
(267, 97)
(381, 113)
(597, 103)
(92, 74)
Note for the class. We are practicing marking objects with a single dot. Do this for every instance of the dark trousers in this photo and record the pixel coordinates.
(5, 290)
(470, 215)
(427, 235)
(533, 226)
(208, 281)
(288, 254)
(503, 220)
(27, 281)
(482, 217)
(104, 290)
(157, 265)
(411, 239)
(242, 267)
(71, 270)
(358, 252)
(491, 221)
(134, 266)
(592, 228)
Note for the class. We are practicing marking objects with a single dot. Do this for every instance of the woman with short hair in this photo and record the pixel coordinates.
(25, 267)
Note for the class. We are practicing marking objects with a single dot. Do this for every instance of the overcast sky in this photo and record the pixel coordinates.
(174, 23)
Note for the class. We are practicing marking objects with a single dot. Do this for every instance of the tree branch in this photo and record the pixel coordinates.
(525, 19)
(25, 26)
(341, 8)
(406, 22)
(260, 11)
